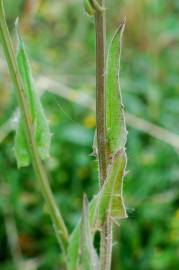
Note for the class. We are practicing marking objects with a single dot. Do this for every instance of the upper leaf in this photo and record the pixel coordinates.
(39, 122)
(116, 127)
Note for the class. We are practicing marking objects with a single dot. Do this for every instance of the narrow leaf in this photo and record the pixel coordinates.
(116, 128)
(89, 258)
(74, 242)
(111, 201)
(39, 121)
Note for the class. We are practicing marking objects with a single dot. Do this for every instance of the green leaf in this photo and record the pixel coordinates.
(74, 241)
(116, 127)
(89, 7)
(89, 258)
(39, 121)
(111, 201)
(73, 249)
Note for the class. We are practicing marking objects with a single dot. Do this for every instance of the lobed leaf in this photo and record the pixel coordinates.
(116, 127)
(39, 121)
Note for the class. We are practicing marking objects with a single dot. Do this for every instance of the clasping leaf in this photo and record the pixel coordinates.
(111, 202)
(116, 127)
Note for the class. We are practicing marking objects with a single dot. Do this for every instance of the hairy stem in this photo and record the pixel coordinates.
(39, 170)
(100, 91)
(106, 246)
(106, 234)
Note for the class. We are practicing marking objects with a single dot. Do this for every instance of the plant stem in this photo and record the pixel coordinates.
(60, 228)
(106, 234)
(100, 91)
(106, 246)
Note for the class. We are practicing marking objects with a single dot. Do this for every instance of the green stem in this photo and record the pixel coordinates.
(106, 246)
(60, 228)
(100, 91)
(106, 234)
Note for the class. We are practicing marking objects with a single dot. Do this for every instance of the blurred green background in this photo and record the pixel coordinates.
(60, 40)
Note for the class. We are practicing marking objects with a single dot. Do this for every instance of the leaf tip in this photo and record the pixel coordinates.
(85, 203)
(17, 30)
(122, 25)
(17, 22)
(17, 26)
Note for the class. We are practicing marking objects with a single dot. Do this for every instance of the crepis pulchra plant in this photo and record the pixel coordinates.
(32, 144)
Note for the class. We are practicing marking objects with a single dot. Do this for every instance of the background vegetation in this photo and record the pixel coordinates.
(60, 41)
